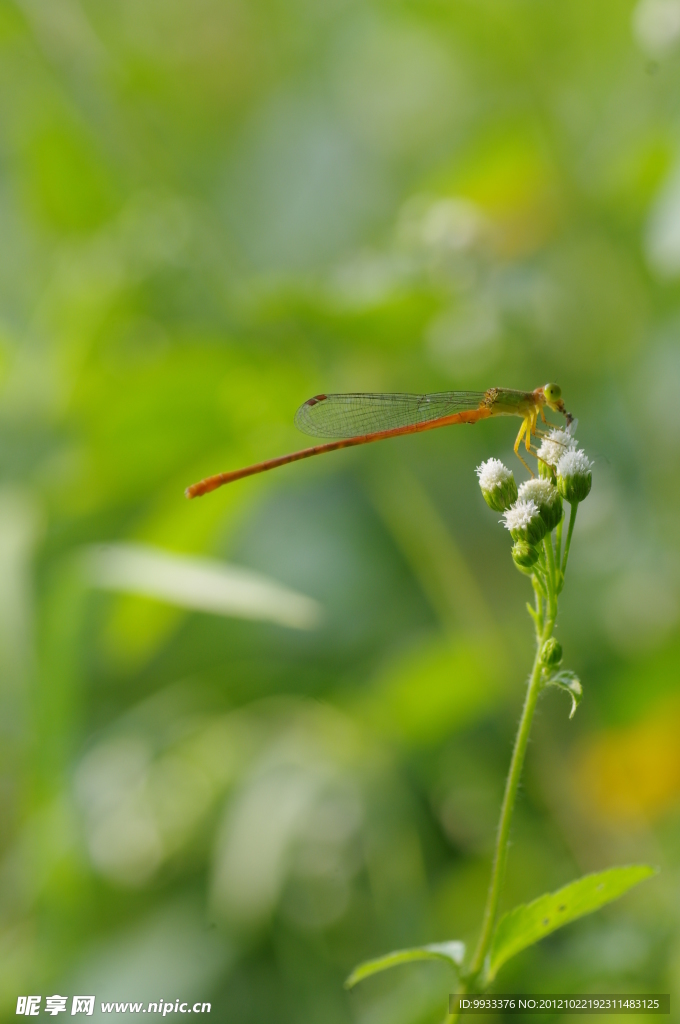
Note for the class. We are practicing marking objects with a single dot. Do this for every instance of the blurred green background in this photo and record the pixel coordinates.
(250, 740)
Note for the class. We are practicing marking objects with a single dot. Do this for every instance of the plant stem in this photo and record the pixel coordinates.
(511, 786)
(567, 545)
(558, 541)
(538, 620)
(548, 544)
(507, 808)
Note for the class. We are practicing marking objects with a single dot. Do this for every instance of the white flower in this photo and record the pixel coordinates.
(492, 473)
(525, 522)
(497, 483)
(521, 514)
(555, 445)
(574, 463)
(574, 476)
(540, 491)
(546, 496)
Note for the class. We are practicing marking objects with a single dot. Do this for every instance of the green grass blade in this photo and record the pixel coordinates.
(531, 922)
(451, 952)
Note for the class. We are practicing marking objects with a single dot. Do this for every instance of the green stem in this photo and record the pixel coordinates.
(548, 579)
(558, 541)
(547, 543)
(567, 545)
(511, 785)
(539, 605)
(540, 584)
(541, 572)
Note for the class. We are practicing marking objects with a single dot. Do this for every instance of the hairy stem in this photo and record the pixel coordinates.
(548, 544)
(511, 786)
(558, 541)
(508, 806)
(570, 530)
(538, 620)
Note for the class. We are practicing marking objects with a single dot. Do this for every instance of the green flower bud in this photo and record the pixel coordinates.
(551, 653)
(546, 496)
(498, 484)
(574, 476)
(524, 522)
(524, 555)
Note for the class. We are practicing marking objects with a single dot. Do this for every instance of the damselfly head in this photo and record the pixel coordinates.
(553, 396)
(553, 399)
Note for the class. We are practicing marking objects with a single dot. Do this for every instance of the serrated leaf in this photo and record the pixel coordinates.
(451, 952)
(531, 922)
(569, 681)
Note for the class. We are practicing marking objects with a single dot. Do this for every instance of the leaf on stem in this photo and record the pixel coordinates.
(450, 952)
(530, 922)
(569, 681)
(534, 615)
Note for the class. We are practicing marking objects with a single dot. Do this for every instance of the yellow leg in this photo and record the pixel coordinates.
(524, 432)
(553, 426)
(531, 427)
(535, 455)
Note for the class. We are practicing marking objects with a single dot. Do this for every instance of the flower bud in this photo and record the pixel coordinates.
(551, 653)
(546, 496)
(524, 555)
(524, 522)
(574, 476)
(498, 484)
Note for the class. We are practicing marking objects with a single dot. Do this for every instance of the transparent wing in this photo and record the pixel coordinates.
(355, 415)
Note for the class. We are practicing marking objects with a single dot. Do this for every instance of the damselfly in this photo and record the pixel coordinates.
(361, 418)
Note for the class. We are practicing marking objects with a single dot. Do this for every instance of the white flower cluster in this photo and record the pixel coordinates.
(492, 473)
(555, 445)
(522, 514)
(573, 463)
(538, 490)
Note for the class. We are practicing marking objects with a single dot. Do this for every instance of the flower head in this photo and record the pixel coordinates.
(524, 555)
(546, 496)
(497, 484)
(574, 476)
(551, 653)
(524, 521)
(555, 445)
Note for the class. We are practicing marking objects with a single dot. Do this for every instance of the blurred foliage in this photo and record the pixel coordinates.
(210, 212)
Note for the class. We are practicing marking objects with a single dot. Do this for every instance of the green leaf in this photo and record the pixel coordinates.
(450, 952)
(569, 681)
(531, 922)
(534, 615)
